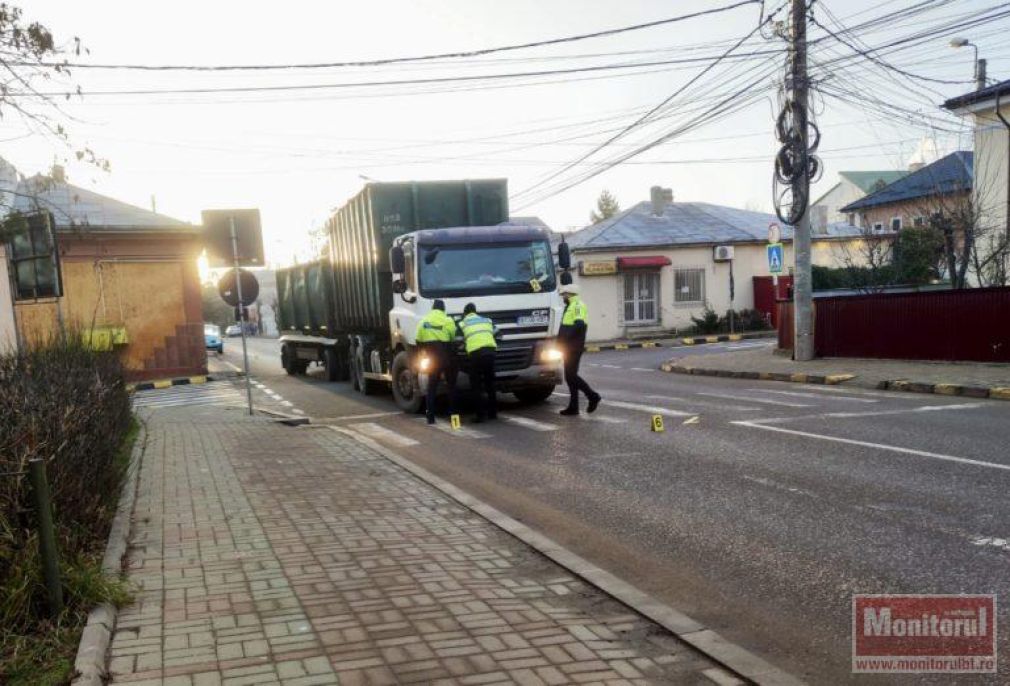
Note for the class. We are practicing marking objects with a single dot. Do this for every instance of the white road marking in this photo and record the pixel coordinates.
(879, 446)
(874, 413)
(287, 403)
(702, 403)
(693, 420)
(462, 432)
(777, 485)
(1001, 543)
(895, 395)
(529, 423)
(373, 415)
(651, 409)
(763, 401)
(611, 366)
(642, 369)
(603, 419)
(383, 434)
(798, 394)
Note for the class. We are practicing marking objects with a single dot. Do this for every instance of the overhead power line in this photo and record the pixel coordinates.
(400, 60)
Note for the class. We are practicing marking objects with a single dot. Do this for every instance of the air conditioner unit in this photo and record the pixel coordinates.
(723, 253)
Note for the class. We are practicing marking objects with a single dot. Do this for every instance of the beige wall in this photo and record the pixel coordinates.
(8, 333)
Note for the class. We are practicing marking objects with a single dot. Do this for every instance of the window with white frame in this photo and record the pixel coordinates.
(688, 286)
(641, 297)
(878, 226)
(895, 223)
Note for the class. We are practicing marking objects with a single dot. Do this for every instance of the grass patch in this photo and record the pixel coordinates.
(42, 653)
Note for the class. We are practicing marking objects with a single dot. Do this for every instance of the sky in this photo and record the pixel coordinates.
(298, 154)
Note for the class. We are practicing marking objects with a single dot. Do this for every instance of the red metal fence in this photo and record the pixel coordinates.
(765, 295)
(785, 324)
(971, 324)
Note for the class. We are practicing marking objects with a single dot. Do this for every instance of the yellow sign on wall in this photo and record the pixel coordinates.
(598, 268)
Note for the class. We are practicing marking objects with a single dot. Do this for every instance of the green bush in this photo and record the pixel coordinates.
(707, 323)
(745, 320)
(69, 406)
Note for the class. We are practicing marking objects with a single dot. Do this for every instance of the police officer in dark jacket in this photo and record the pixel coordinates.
(572, 337)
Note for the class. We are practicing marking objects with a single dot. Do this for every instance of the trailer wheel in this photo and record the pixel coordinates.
(406, 390)
(533, 396)
(289, 359)
(362, 384)
(331, 361)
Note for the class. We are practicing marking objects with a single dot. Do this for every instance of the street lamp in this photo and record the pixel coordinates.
(979, 64)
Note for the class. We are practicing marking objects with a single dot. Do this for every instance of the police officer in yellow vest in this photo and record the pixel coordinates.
(478, 334)
(572, 338)
(434, 336)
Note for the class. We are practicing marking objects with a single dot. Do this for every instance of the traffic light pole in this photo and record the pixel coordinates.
(803, 345)
(241, 312)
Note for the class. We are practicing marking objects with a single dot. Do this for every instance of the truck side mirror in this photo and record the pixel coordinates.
(564, 256)
(566, 278)
(399, 286)
(397, 260)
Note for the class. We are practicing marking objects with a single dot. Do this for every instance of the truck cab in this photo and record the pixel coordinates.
(508, 273)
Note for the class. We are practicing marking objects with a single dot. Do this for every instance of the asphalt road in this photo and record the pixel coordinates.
(760, 510)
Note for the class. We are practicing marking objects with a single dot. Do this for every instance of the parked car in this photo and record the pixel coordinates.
(212, 338)
(233, 330)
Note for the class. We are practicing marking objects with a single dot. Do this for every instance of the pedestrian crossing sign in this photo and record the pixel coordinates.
(657, 423)
(775, 258)
(454, 421)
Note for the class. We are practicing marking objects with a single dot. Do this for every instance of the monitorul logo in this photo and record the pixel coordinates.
(923, 633)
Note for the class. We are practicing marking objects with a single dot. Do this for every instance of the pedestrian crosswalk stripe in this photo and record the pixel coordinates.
(650, 409)
(751, 399)
(462, 432)
(180, 396)
(529, 423)
(799, 394)
(381, 433)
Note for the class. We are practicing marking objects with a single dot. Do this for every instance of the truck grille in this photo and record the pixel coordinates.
(508, 358)
(508, 321)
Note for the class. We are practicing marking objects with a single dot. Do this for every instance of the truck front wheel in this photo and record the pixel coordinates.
(406, 389)
(533, 396)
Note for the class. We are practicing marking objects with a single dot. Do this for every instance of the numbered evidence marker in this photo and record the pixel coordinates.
(454, 421)
(657, 423)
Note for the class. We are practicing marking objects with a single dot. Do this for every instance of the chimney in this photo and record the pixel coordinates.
(916, 166)
(58, 173)
(980, 74)
(660, 197)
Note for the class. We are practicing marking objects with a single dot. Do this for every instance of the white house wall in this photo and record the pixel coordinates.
(991, 166)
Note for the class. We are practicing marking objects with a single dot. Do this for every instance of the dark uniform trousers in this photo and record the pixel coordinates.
(482, 381)
(575, 382)
(443, 366)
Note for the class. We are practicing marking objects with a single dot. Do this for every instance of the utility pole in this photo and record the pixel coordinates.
(803, 304)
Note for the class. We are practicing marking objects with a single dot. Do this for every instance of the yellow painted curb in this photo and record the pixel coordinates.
(711, 339)
(592, 348)
(687, 341)
(832, 379)
(735, 337)
(163, 384)
(131, 387)
(798, 377)
(1000, 393)
(197, 379)
(899, 385)
(946, 389)
(620, 346)
(765, 376)
(649, 344)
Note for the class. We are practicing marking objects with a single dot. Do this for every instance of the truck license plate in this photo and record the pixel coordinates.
(533, 320)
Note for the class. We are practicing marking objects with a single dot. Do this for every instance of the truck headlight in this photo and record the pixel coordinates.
(423, 363)
(551, 354)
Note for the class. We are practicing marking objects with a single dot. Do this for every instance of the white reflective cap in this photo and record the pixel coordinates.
(571, 288)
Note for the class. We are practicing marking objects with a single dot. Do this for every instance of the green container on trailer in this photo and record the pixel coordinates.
(363, 230)
(305, 298)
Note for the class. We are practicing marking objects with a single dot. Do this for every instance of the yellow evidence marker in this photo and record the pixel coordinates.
(657, 423)
(454, 421)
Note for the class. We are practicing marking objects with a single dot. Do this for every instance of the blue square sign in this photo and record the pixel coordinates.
(775, 258)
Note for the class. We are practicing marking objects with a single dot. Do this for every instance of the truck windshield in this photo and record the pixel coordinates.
(448, 271)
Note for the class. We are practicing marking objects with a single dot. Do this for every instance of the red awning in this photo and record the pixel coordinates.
(643, 262)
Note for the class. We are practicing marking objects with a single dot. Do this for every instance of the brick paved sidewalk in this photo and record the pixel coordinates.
(271, 554)
(868, 373)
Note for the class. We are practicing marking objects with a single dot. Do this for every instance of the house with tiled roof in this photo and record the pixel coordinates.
(124, 276)
(851, 186)
(653, 266)
(909, 200)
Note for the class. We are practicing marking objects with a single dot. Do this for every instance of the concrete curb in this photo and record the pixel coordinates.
(677, 342)
(694, 633)
(286, 419)
(167, 383)
(962, 390)
(90, 663)
(828, 379)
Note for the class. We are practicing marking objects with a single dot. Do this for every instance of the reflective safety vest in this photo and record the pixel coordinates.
(478, 332)
(436, 327)
(575, 311)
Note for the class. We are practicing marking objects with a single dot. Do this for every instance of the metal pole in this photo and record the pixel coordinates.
(803, 348)
(47, 536)
(732, 288)
(241, 310)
